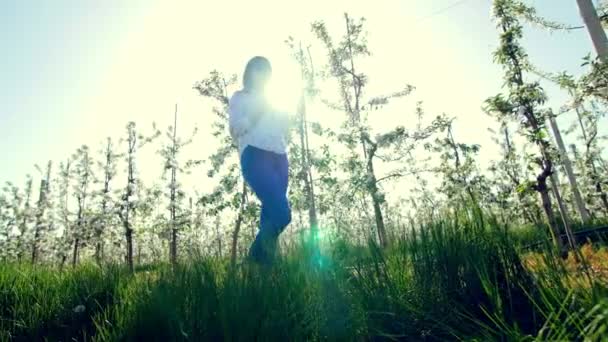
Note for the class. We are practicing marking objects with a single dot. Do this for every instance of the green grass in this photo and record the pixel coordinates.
(452, 279)
(530, 234)
(42, 302)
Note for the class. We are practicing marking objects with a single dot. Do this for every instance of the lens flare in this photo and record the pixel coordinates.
(284, 94)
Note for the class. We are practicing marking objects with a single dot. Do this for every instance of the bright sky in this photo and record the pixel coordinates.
(73, 71)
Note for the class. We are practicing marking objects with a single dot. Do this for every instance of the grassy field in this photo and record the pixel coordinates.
(456, 279)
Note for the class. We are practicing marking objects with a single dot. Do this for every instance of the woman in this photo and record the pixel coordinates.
(260, 132)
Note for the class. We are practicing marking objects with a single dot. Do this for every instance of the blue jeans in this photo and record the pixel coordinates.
(267, 174)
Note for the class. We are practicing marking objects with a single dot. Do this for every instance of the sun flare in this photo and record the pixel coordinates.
(284, 94)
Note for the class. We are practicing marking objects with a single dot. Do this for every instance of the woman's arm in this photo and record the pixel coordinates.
(243, 114)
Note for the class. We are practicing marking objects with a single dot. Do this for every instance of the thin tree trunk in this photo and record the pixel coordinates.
(172, 206)
(580, 204)
(603, 196)
(306, 172)
(39, 218)
(547, 207)
(368, 152)
(104, 205)
(314, 222)
(75, 252)
(513, 176)
(98, 252)
(376, 200)
(79, 228)
(363, 220)
(81, 198)
(219, 238)
(194, 238)
(463, 176)
(131, 182)
(26, 214)
(237, 225)
(541, 187)
(129, 238)
(127, 225)
(307, 175)
(563, 211)
(527, 110)
(66, 220)
(590, 162)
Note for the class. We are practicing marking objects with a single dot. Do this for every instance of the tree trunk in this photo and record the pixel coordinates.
(218, 237)
(173, 204)
(78, 231)
(580, 204)
(75, 252)
(65, 212)
(541, 183)
(237, 225)
(173, 248)
(589, 162)
(62, 261)
(513, 175)
(379, 222)
(355, 119)
(547, 207)
(26, 214)
(39, 218)
(603, 196)
(526, 107)
(129, 240)
(598, 185)
(563, 211)
(306, 173)
(104, 205)
(99, 252)
(131, 183)
(84, 173)
(128, 236)
(462, 175)
(376, 198)
(594, 27)
(308, 184)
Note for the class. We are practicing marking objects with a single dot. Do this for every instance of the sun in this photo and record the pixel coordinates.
(284, 96)
(284, 90)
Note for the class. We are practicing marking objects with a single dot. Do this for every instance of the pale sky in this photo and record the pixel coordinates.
(74, 71)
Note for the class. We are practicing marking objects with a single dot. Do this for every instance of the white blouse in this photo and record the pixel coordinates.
(268, 133)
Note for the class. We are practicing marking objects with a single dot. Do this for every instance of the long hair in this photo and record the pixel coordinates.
(257, 73)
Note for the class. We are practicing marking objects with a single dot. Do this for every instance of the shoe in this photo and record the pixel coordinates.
(263, 250)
